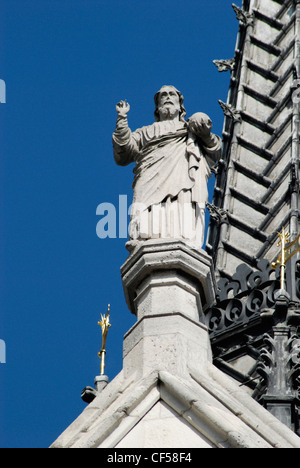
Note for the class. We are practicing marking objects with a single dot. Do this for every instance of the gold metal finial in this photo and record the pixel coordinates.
(287, 251)
(281, 260)
(105, 325)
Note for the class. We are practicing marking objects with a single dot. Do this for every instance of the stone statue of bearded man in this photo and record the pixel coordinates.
(172, 159)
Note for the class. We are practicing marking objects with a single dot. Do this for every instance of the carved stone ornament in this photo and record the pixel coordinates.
(242, 298)
(230, 111)
(243, 16)
(224, 65)
(216, 213)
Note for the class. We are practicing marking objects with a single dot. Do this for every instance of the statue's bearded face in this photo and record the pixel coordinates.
(168, 103)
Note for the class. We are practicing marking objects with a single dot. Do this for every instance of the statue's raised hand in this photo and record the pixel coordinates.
(123, 108)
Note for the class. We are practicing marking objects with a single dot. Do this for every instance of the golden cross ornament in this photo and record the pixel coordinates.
(288, 250)
(105, 325)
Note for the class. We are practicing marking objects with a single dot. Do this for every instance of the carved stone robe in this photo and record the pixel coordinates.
(170, 178)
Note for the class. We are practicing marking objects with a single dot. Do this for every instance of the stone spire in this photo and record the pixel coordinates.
(257, 180)
(255, 323)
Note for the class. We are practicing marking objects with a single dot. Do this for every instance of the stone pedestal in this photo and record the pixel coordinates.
(167, 284)
(184, 274)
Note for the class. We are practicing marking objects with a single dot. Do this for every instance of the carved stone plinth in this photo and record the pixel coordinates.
(167, 285)
(163, 276)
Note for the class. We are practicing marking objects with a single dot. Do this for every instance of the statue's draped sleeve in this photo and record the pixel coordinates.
(125, 143)
(212, 149)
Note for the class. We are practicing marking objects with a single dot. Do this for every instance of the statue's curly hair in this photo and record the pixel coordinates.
(182, 109)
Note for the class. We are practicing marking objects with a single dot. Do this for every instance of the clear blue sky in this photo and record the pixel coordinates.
(66, 64)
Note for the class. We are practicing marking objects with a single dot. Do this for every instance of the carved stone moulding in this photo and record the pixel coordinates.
(174, 267)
